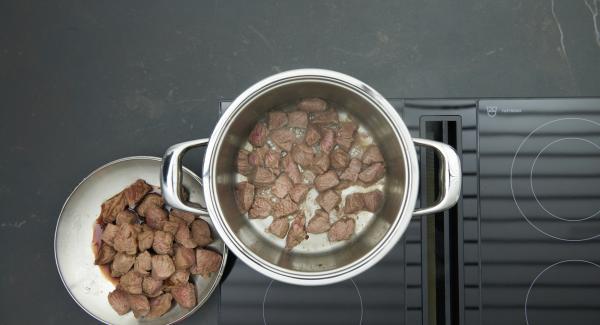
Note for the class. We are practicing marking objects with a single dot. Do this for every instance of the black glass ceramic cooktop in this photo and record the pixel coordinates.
(521, 247)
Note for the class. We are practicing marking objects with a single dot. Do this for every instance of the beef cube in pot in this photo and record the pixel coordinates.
(258, 135)
(328, 200)
(242, 164)
(126, 239)
(244, 195)
(143, 263)
(297, 119)
(184, 258)
(185, 295)
(207, 262)
(163, 242)
(136, 191)
(312, 135)
(131, 282)
(180, 276)
(171, 227)
(156, 217)
(372, 173)
(279, 227)
(145, 240)
(283, 138)
(151, 286)
(327, 140)
(126, 216)
(351, 173)
(150, 200)
(341, 229)
(326, 181)
(262, 177)
(298, 193)
(256, 158)
(159, 306)
(303, 155)
(343, 185)
(184, 237)
(272, 159)
(109, 234)
(121, 264)
(282, 186)
(373, 200)
(111, 207)
(118, 301)
(312, 105)
(320, 163)
(284, 207)
(162, 266)
(201, 232)
(277, 119)
(339, 159)
(291, 169)
(140, 306)
(372, 155)
(105, 254)
(354, 203)
(297, 232)
(261, 208)
(329, 116)
(345, 135)
(188, 217)
(319, 223)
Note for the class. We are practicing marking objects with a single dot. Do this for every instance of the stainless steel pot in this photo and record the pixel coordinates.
(336, 262)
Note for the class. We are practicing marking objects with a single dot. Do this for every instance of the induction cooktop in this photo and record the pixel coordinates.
(522, 246)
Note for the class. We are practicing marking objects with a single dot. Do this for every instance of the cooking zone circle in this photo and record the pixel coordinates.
(568, 283)
(339, 303)
(553, 177)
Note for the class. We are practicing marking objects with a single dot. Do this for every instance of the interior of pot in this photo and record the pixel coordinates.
(364, 112)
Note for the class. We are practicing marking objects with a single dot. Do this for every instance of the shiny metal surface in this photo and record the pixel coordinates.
(323, 267)
(74, 231)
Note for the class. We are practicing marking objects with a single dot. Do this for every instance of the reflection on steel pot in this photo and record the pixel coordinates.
(321, 266)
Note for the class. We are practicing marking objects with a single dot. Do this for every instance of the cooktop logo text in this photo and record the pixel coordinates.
(493, 110)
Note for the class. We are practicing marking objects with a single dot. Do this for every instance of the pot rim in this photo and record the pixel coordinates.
(396, 229)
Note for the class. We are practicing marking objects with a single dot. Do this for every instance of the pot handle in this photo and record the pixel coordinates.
(170, 175)
(450, 177)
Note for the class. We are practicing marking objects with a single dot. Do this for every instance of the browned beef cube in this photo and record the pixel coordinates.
(109, 233)
(207, 262)
(284, 207)
(136, 191)
(105, 254)
(126, 239)
(261, 208)
(263, 177)
(145, 240)
(150, 200)
(303, 155)
(279, 227)
(312, 105)
(184, 237)
(277, 119)
(180, 276)
(341, 229)
(256, 158)
(156, 217)
(345, 135)
(143, 263)
(312, 135)
(351, 173)
(372, 173)
(185, 295)
(159, 306)
(184, 258)
(373, 200)
(326, 181)
(354, 203)
(282, 186)
(372, 155)
(320, 163)
(298, 193)
(343, 185)
(272, 159)
(242, 164)
(339, 159)
(121, 264)
(297, 232)
(283, 138)
(162, 266)
(171, 227)
(111, 207)
(163, 242)
(118, 301)
(328, 200)
(140, 306)
(131, 282)
(291, 169)
(188, 217)
(201, 232)
(319, 223)
(258, 135)
(151, 286)
(327, 140)
(244, 195)
(329, 116)
(126, 216)
(297, 119)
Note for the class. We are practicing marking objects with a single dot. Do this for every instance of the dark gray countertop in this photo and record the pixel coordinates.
(84, 83)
